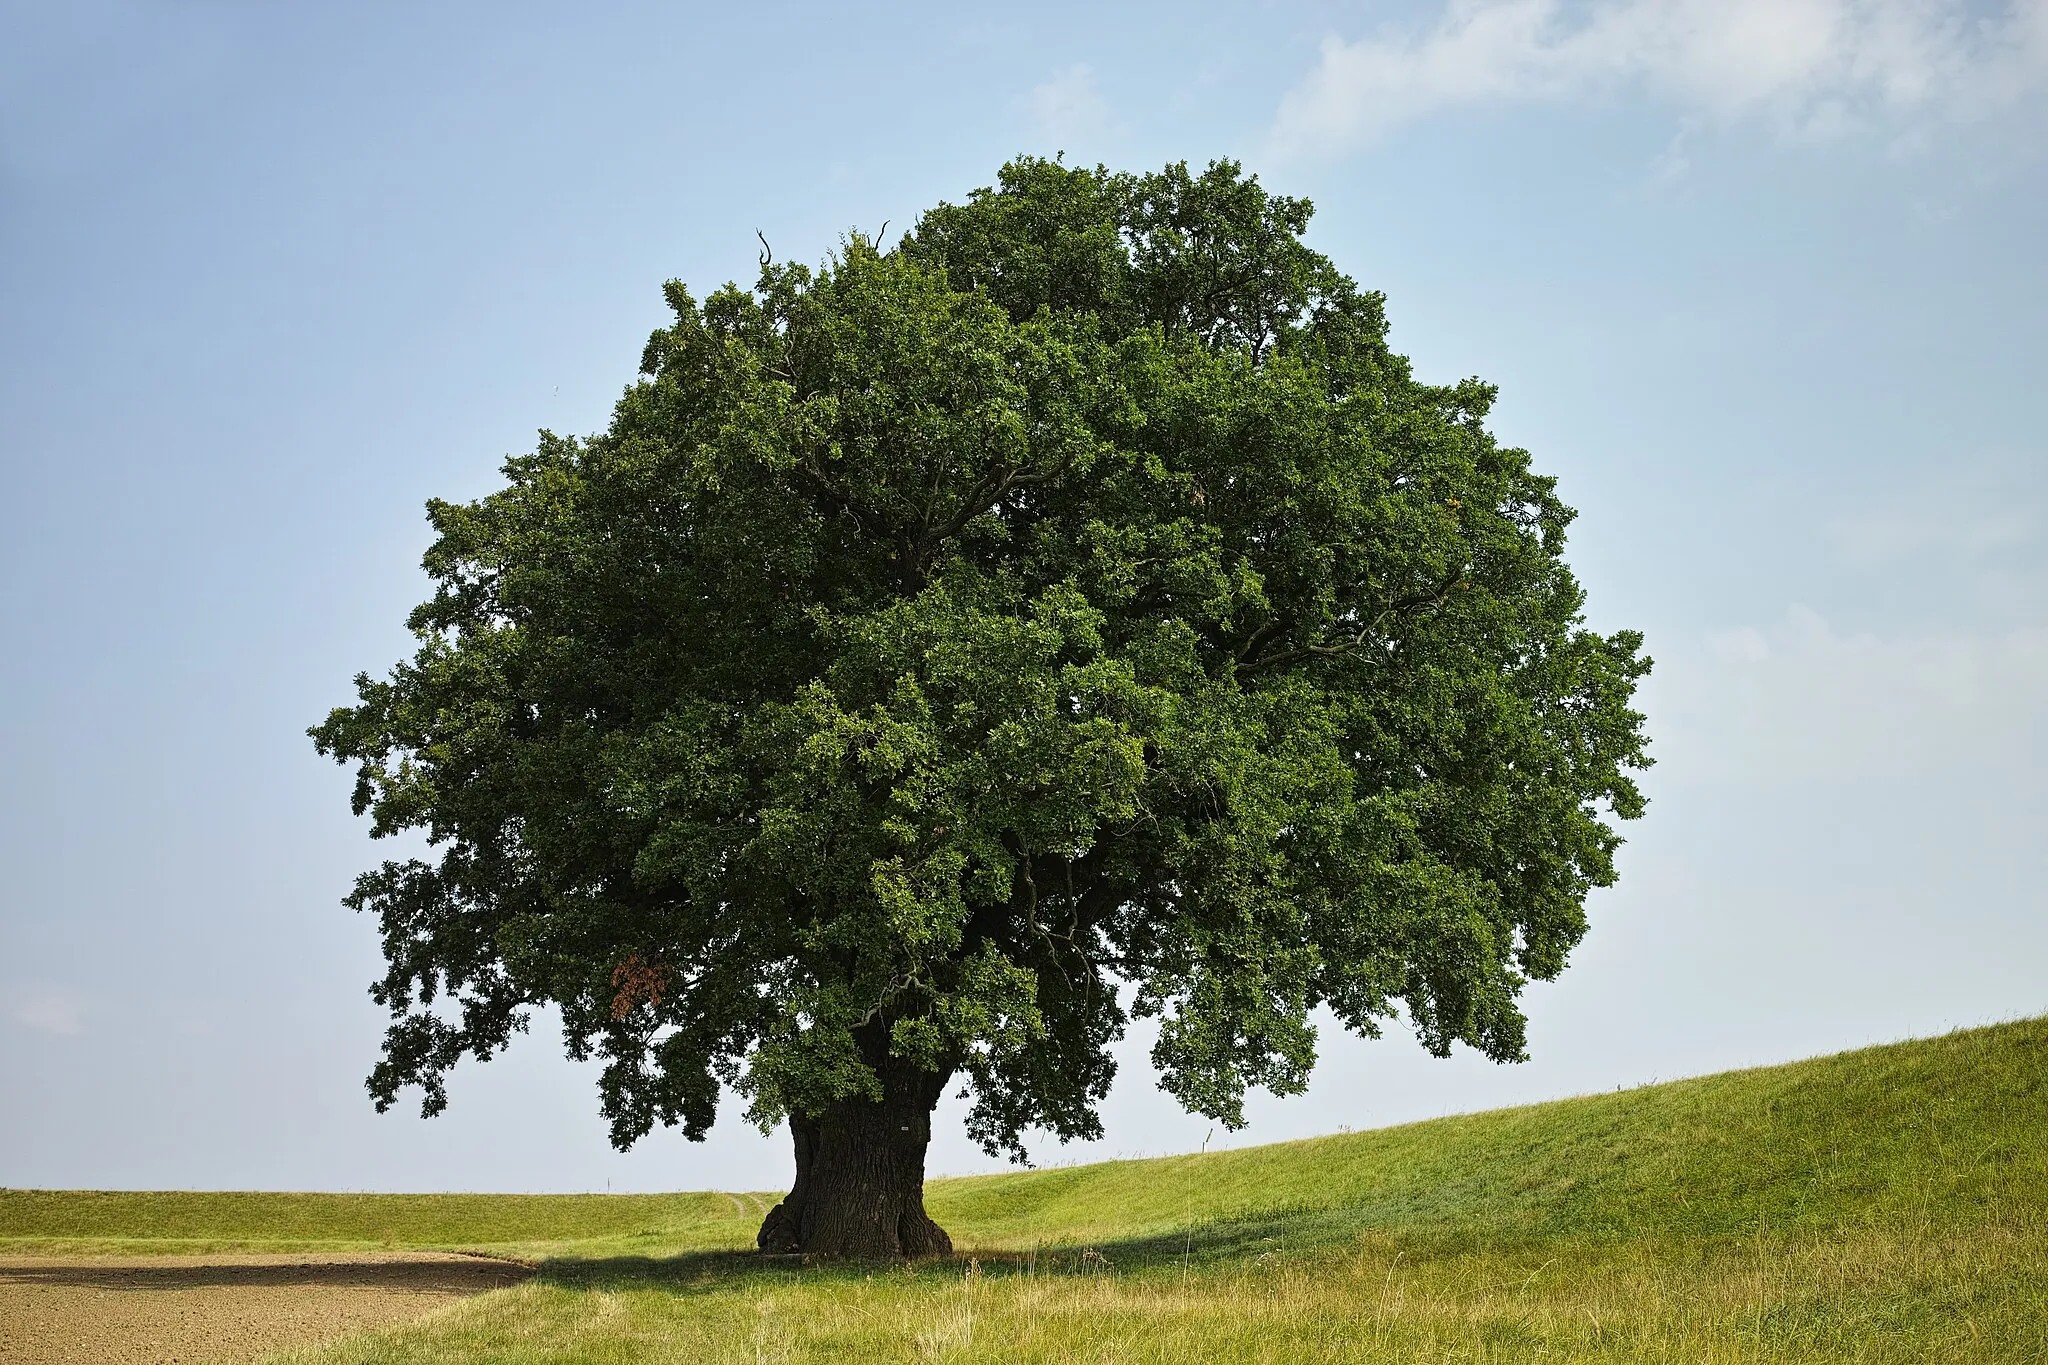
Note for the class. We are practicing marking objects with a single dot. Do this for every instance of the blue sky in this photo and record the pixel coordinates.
(1760, 280)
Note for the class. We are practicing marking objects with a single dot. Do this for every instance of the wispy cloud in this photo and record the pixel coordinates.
(1798, 697)
(1977, 515)
(1969, 532)
(1808, 65)
(1069, 105)
(47, 1009)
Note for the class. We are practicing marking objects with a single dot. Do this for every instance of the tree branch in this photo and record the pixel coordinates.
(1347, 644)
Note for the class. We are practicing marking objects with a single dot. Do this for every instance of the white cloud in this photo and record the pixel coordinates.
(1798, 698)
(1809, 65)
(49, 1010)
(1965, 538)
(1069, 105)
(1968, 518)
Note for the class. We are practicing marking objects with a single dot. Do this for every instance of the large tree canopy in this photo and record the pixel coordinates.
(1074, 611)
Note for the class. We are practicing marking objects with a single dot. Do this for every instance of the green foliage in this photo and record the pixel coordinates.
(1077, 604)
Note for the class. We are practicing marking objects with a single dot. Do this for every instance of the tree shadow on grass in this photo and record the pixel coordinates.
(1209, 1245)
(689, 1271)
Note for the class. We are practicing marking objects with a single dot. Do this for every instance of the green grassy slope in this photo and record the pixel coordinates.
(1934, 1131)
(1889, 1204)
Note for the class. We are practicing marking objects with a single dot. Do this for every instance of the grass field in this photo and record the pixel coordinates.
(528, 1227)
(1884, 1205)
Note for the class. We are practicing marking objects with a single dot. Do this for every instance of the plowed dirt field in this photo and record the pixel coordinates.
(218, 1309)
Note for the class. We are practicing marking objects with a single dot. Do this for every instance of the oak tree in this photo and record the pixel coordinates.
(1073, 612)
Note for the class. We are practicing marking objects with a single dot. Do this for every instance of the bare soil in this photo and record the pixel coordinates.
(219, 1309)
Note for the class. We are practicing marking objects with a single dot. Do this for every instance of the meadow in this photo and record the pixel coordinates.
(1889, 1204)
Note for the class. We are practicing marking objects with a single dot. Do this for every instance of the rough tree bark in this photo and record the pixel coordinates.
(859, 1188)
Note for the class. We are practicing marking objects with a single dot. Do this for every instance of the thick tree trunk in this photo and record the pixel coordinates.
(859, 1188)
